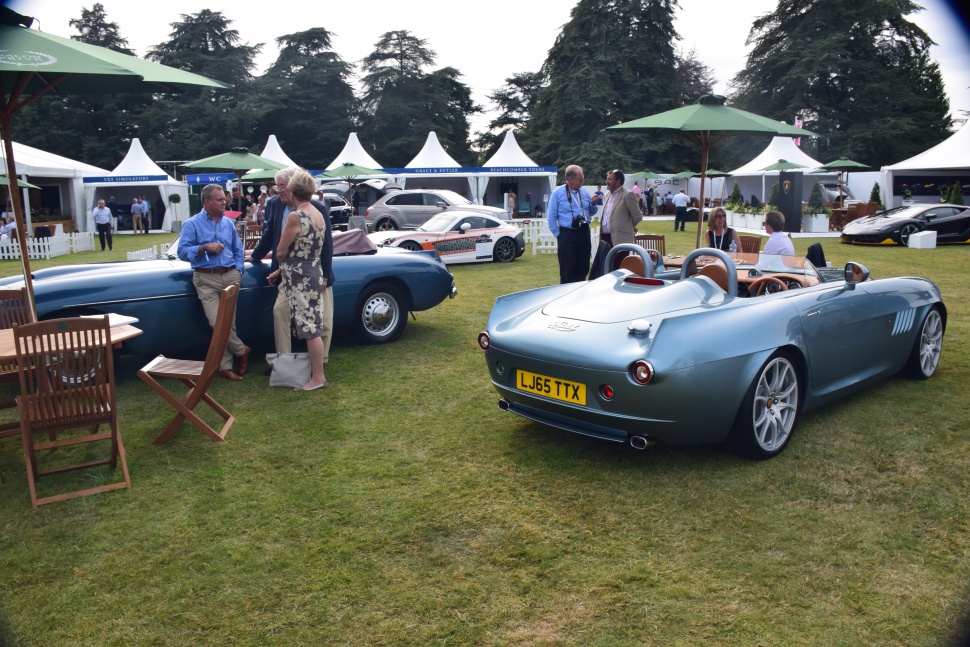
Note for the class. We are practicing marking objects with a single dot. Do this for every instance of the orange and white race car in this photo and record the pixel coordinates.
(460, 237)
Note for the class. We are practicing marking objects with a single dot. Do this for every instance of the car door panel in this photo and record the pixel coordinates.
(838, 323)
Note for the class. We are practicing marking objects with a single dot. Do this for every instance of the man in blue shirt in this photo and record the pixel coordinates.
(570, 210)
(210, 243)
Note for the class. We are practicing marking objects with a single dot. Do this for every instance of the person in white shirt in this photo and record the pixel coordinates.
(102, 221)
(778, 241)
(680, 203)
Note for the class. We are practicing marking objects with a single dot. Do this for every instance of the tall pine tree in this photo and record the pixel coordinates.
(614, 61)
(858, 73)
(203, 121)
(401, 103)
(308, 99)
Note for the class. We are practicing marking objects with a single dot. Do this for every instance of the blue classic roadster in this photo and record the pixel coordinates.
(729, 347)
(373, 292)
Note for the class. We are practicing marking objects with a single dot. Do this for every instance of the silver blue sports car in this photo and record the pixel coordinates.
(727, 347)
(373, 292)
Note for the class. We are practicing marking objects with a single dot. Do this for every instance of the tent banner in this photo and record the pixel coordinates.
(117, 179)
(210, 178)
(507, 170)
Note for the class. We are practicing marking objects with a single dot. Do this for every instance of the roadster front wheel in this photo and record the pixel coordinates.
(925, 356)
(769, 411)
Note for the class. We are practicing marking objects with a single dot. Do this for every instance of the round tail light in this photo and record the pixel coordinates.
(607, 392)
(483, 340)
(641, 371)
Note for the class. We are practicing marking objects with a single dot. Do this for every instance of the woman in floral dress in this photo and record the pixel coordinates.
(301, 241)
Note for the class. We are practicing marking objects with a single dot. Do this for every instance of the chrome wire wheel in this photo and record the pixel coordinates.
(775, 405)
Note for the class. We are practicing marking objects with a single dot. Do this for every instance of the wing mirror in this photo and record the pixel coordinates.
(855, 273)
(465, 226)
(442, 204)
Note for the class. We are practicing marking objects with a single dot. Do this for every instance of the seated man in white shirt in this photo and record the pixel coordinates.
(778, 240)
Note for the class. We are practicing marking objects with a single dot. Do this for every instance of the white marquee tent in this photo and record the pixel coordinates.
(138, 175)
(48, 170)
(753, 181)
(948, 161)
(354, 153)
(534, 183)
(434, 168)
(273, 151)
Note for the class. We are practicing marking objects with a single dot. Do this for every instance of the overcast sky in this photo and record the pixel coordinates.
(503, 38)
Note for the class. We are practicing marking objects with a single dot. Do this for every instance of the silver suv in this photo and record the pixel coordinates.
(411, 208)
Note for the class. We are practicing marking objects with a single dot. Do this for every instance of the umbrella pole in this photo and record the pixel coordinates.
(18, 209)
(705, 148)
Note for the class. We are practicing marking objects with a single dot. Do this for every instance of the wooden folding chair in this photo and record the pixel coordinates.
(652, 241)
(67, 383)
(750, 244)
(195, 375)
(14, 311)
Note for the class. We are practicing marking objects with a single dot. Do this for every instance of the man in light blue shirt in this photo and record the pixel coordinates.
(209, 242)
(570, 210)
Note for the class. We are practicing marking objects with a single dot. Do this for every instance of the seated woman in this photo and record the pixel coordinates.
(719, 235)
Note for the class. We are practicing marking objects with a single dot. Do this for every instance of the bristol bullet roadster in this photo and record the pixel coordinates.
(727, 348)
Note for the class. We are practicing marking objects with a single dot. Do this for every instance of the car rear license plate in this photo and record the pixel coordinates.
(550, 387)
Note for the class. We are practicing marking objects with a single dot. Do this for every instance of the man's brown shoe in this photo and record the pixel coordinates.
(244, 361)
(229, 374)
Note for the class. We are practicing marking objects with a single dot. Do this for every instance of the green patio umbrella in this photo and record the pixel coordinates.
(348, 171)
(840, 166)
(5, 181)
(783, 165)
(708, 122)
(33, 63)
(240, 161)
(256, 176)
(645, 175)
(684, 175)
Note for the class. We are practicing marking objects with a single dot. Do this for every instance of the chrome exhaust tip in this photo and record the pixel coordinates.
(504, 404)
(639, 442)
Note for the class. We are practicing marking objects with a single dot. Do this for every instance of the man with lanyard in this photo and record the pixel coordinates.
(570, 210)
(210, 243)
(102, 221)
(277, 210)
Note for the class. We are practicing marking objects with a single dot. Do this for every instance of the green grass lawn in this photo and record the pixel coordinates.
(400, 506)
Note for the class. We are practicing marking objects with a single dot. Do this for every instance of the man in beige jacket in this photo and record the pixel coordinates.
(621, 211)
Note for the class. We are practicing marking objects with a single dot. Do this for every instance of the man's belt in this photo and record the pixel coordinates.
(214, 270)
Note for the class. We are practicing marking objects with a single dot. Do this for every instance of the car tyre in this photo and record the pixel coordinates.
(410, 245)
(504, 250)
(381, 314)
(925, 357)
(907, 231)
(385, 224)
(769, 411)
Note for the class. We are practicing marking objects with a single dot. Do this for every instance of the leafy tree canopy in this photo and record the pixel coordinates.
(857, 73)
(306, 98)
(614, 61)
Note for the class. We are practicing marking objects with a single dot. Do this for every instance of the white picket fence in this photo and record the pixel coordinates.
(142, 254)
(536, 232)
(37, 248)
(149, 252)
(81, 242)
